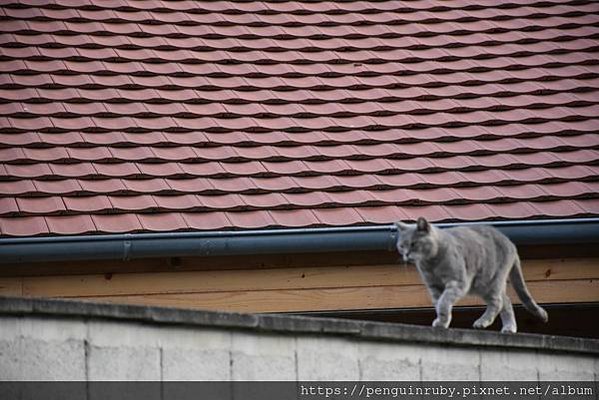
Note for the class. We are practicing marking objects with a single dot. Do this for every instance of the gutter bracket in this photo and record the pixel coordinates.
(127, 247)
(392, 239)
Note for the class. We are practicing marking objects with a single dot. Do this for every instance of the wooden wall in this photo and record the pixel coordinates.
(308, 287)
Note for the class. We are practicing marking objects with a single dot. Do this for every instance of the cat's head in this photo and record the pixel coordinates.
(416, 242)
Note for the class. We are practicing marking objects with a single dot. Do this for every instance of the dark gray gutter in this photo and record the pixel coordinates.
(267, 241)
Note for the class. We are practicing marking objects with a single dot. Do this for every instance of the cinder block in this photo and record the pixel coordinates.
(389, 361)
(123, 363)
(10, 348)
(125, 351)
(195, 365)
(33, 360)
(197, 338)
(122, 333)
(53, 329)
(36, 348)
(46, 329)
(11, 354)
(259, 356)
(506, 365)
(10, 327)
(565, 367)
(195, 353)
(449, 363)
(327, 358)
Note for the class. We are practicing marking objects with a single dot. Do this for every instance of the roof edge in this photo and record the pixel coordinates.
(294, 324)
(268, 241)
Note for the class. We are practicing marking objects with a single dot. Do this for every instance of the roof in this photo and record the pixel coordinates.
(121, 116)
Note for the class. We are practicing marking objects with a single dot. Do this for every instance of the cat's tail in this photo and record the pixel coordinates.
(520, 286)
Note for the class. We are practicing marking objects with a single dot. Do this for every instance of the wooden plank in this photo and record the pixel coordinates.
(270, 279)
(561, 269)
(218, 281)
(346, 298)
(11, 287)
(284, 300)
(568, 291)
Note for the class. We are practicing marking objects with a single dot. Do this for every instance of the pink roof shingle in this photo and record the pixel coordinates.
(177, 115)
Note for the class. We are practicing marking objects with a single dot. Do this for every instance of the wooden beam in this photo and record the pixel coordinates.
(271, 279)
(218, 281)
(11, 287)
(560, 269)
(346, 298)
(297, 289)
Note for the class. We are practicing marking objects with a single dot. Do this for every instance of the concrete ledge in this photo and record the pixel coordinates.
(294, 325)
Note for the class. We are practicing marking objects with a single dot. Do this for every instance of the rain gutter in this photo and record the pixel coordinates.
(267, 241)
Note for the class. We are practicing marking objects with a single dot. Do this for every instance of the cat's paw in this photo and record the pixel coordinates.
(508, 329)
(543, 315)
(481, 323)
(438, 323)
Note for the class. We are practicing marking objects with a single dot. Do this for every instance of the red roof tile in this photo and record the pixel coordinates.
(277, 184)
(14, 188)
(133, 203)
(8, 206)
(103, 186)
(294, 218)
(555, 208)
(431, 212)
(188, 185)
(70, 225)
(338, 216)
(118, 169)
(292, 114)
(183, 202)
(88, 204)
(251, 219)
(40, 205)
(206, 221)
(220, 202)
(162, 221)
(382, 215)
(522, 210)
(116, 223)
(146, 185)
(23, 226)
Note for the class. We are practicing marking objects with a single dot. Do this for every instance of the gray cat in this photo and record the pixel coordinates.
(467, 260)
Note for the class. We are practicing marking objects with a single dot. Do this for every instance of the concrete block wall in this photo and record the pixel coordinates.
(58, 347)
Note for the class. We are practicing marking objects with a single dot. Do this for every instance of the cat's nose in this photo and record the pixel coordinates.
(406, 257)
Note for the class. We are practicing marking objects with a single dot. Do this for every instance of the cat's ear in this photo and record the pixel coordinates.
(422, 225)
(401, 226)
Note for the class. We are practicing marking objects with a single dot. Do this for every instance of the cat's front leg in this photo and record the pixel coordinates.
(454, 291)
(435, 294)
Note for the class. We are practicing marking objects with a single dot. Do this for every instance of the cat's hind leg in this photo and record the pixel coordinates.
(494, 306)
(508, 319)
